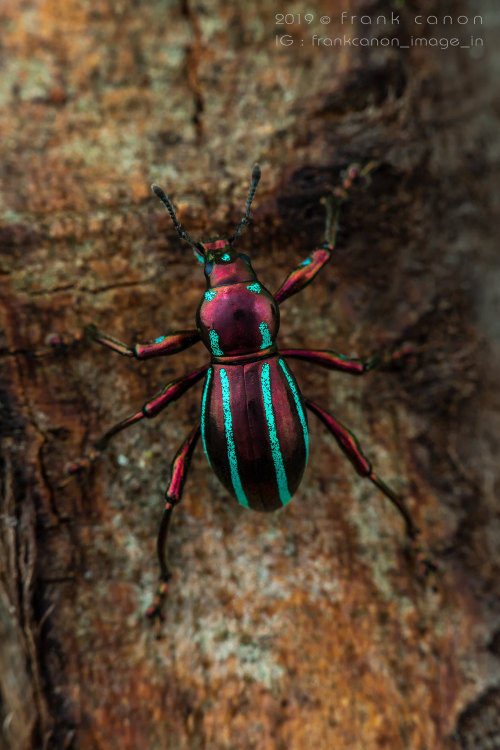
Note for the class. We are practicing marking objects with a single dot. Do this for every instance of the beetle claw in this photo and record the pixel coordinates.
(155, 612)
(426, 566)
(78, 467)
(62, 342)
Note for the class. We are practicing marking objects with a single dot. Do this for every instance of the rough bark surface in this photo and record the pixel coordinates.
(308, 627)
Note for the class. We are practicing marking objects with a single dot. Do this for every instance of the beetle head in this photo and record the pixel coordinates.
(224, 264)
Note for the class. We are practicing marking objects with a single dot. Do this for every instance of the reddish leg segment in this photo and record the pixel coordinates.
(304, 273)
(167, 395)
(171, 343)
(334, 360)
(173, 495)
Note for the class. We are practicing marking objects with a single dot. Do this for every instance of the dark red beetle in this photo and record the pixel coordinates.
(253, 417)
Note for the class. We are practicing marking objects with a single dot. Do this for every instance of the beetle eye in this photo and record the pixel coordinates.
(245, 257)
(209, 267)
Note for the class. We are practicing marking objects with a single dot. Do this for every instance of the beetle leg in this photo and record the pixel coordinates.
(352, 365)
(306, 271)
(171, 343)
(352, 449)
(173, 495)
(55, 344)
(171, 392)
(332, 360)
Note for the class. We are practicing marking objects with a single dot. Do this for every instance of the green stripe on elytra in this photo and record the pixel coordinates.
(203, 410)
(214, 343)
(279, 467)
(298, 404)
(231, 448)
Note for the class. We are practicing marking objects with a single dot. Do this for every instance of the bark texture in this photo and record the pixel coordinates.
(307, 627)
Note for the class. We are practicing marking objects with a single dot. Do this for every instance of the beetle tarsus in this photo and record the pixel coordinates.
(55, 343)
(79, 466)
(155, 612)
(332, 219)
(61, 342)
(426, 566)
(411, 530)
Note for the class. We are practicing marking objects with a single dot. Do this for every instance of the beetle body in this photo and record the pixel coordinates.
(253, 422)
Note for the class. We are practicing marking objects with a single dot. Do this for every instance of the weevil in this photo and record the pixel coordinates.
(253, 420)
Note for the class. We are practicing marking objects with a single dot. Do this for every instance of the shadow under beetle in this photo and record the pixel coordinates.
(253, 422)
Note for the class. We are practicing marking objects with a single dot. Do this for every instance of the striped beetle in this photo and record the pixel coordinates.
(253, 421)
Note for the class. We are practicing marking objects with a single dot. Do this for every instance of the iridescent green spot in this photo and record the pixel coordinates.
(225, 257)
(305, 262)
(210, 295)
(266, 336)
(279, 466)
(298, 404)
(255, 288)
(214, 343)
(160, 339)
(231, 447)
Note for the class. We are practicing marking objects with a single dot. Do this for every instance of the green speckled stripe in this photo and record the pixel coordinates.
(279, 467)
(203, 412)
(231, 448)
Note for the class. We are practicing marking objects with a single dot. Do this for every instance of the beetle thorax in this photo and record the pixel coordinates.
(238, 318)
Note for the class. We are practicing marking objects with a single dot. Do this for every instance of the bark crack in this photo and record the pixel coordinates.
(193, 57)
(96, 289)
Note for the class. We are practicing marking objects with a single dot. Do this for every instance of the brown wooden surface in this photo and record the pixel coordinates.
(305, 628)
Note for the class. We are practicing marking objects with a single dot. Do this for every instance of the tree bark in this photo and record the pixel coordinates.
(310, 626)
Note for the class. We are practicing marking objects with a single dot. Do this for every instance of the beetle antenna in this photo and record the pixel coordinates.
(253, 187)
(180, 231)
